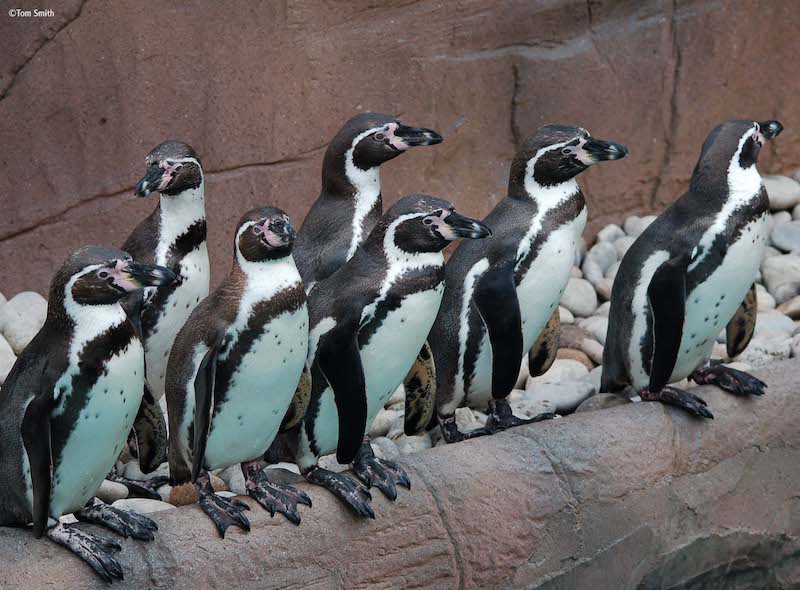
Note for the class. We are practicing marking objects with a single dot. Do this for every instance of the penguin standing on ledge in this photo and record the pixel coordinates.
(368, 322)
(501, 297)
(690, 273)
(234, 370)
(69, 403)
(174, 236)
(349, 204)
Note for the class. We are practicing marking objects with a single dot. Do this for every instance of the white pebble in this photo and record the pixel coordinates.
(21, 318)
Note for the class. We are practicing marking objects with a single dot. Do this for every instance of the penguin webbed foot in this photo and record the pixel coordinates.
(123, 522)
(384, 475)
(350, 491)
(224, 512)
(96, 551)
(695, 405)
(140, 489)
(274, 497)
(501, 417)
(728, 379)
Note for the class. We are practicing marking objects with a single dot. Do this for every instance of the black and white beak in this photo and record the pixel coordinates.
(132, 276)
(770, 129)
(597, 150)
(457, 226)
(151, 181)
(416, 136)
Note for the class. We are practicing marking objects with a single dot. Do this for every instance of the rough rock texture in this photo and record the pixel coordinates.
(258, 90)
(638, 496)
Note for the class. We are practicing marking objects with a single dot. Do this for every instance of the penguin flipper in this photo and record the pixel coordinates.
(543, 352)
(36, 438)
(667, 296)
(495, 297)
(740, 329)
(420, 388)
(150, 430)
(302, 397)
(203, 401)
(340, 362)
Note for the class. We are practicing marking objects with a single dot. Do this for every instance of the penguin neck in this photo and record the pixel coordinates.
(343, 179)
(177, 214)
(263, 279)
(546, 196)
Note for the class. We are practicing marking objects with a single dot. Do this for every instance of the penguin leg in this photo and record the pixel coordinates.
(223, 511)
(95, 551)
(148, 437)
(385, 475)
(672, 396)
(501, 416)
(274, 497)
(123, 522)
(350, 491)
(141, 489)
(730, 380)
(452, 434)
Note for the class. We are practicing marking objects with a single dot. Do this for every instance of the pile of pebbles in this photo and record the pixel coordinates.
(572, 382)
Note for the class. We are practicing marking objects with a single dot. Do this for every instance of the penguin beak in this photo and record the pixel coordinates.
(409, 137)
(151, 181)
(597, 150)
(770, 129)
(138, 276)
(457, 226)
(279, 233)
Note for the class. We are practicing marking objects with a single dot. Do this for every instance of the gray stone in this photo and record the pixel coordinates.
(398, 397)
(773, 322)
(597, 326)
(796, 212)
(389, 450)
(234, 479)
(466, 421)
(3, 300)
(610, 233)
(622, 245)
(576, 272)
(565, 315)
(783, 192)
(611, 273)
(7, 359)
(769, 252)
(604, 288)
(383, 422)
(591, 271)
(786, 236)
(111, 491)
(562, 370)
(763, 351)
(634, 225)
(397, 427)
(579, 297)
(21, 318)
(594, 378)
(525, 405)
(142, 505)
(782, 276)
(602, 401)
(580, 251)
(765, 300)
(790, 308)
(132, 471)
(565, 396)
(413, 444)
(593, 349)
(524, 373)
(603, 309)
(603, 254)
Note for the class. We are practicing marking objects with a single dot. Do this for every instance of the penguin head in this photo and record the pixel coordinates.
(94, 275)
(171, 168)
(264, 234)
(421, 223)
(557, 153)
(370, 139)
(733, 145)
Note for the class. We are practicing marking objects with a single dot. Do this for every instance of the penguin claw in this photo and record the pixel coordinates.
(275, 497)
(730, 380)
(123, 522)
(384, 475)
(97, 552)
(224, 512)
(691, 403)
(350, 491)
(502, 417)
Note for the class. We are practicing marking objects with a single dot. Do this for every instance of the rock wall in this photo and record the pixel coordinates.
(637, 496)
(258, 89)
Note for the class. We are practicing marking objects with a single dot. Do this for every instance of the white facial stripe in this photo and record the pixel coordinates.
(368, 189)
(744, 184)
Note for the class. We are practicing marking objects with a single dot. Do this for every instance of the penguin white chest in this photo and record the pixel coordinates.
(194, 286)
(259, 393)
(99, 431)
(711, 305)
(386, 360)
(538, 294)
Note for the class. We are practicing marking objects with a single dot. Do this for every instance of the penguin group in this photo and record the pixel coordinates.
(295, 352)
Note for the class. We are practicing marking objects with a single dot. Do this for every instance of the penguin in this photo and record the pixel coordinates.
(234, 370)
(348, 208)
(174, 236)
(349, 204)
(368, 321)
(501, 296)
(690, 273)
(69, 402)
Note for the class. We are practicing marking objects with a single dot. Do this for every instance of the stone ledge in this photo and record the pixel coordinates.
(638, 496)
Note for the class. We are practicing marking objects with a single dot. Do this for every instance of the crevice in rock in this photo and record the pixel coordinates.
(593, 37)
(36, 51)
(672, 124)
(512, 115)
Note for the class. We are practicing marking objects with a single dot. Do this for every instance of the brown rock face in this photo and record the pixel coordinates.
(258, 90)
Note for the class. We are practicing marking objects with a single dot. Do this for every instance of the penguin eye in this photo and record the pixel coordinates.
(428, 221)
(257, 230)
(379, 136)
(103, 274)
(178, 168)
